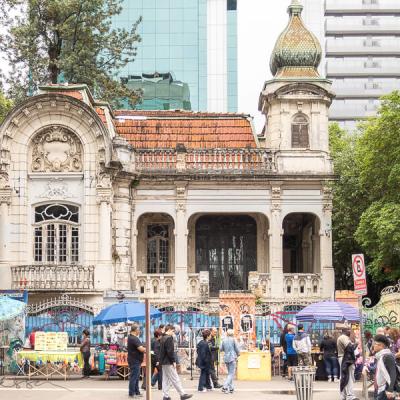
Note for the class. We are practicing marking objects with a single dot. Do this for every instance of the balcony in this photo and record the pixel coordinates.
(362, 47)
(53, 277)
(351, 112)
(359, 7)
(362, 92)
(162, 286)
(361, 27)
(229, 161)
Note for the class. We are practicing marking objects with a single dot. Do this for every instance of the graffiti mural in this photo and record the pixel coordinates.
(386, 312)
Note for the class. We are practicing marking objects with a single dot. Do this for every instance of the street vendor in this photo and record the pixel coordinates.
(85, 350)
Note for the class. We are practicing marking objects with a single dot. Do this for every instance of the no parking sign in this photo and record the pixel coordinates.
(360, 280)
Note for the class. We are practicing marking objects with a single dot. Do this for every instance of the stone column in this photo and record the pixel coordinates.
(275, 242)
(104, 277)
(5, 201)
(134, 235)
(181, 243)
(328, 273)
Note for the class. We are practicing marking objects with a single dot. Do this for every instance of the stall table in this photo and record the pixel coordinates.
(47, 364)
(254, 366)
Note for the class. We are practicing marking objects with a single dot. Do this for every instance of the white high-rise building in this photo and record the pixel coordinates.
(361, 52)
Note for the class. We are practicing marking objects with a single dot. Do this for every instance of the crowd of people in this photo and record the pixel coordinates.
(342, 357)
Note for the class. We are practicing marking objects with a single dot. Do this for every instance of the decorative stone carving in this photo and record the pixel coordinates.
(57, 189)
(103, 180)
(327, 199)
(4, 181)
(56, 150)
(276, 198)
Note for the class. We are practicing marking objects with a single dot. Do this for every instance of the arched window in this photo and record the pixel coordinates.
(56, 234)
(300, 137)
(157, 249)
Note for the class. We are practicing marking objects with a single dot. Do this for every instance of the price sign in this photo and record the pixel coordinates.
(359, 275)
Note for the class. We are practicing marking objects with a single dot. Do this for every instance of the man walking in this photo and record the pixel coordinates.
(168, 365)
(135, 358)
(214, 358)
(386, 370)
(302, 345)
(347, 361)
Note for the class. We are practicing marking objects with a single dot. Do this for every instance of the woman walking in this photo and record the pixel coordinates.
(231, 352)
(204, 362)
(85, 350)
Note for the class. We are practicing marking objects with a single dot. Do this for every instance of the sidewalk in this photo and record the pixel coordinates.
(96, 387)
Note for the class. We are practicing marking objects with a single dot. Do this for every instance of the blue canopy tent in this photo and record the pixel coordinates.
(124, 312)
(328, 311)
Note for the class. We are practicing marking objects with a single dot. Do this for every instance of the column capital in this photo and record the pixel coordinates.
(103, 195)
(5, 195)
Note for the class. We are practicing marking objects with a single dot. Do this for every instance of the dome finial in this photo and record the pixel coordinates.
(297, 52)
(295, 8)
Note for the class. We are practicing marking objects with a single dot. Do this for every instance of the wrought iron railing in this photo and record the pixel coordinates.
(53, 277)
(207, 160)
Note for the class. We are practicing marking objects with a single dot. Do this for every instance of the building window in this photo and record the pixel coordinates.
(157, 249)
(232, 5)
(56, 234)
(300, 132)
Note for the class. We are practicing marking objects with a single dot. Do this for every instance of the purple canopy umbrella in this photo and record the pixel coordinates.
(329, 311)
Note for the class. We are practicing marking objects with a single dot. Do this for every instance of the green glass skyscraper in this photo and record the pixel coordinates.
(194, 42)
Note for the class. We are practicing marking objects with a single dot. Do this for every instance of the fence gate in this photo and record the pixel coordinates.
(63, 314)
(386, 312)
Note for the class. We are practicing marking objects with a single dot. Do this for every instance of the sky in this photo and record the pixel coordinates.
(259, 24)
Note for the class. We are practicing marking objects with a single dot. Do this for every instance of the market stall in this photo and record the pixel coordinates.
(254, 366)
(51, 357)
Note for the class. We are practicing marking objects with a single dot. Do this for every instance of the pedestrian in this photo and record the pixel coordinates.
(168, 365)
(155, 360)
(369, 341)
(386, 371)
(136, 352)
(329, 350)
(214, 358)
(231, 352)
(85, 351)
(291, 353)
(302, 345)
(203, 361)
(32, 338)
(347, 361)
(282, 343)
(394, 335)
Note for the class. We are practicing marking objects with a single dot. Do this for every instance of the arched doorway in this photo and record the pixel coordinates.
(301, 243)
(226, 247)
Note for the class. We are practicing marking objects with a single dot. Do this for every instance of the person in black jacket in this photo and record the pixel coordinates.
(214, 358)
(203, 362)
(155, 359)
(347, 367)
(386, 371)
(283, 344)
(329, 349)
(168, 365)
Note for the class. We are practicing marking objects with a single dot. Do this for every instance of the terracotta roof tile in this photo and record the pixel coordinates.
(196, 130)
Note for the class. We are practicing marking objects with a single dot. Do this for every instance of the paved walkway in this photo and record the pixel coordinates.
(97, 388)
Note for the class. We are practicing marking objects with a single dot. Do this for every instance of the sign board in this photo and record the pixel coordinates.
(359, 275)
(51, 341)
(254, 362)
(21, 295)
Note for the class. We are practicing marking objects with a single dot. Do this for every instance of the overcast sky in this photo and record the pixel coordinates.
(259, 24)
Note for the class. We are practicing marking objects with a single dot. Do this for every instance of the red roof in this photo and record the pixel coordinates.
(196, 130)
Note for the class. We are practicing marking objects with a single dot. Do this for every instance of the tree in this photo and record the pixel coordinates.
(378, 156)
(72, 40)
(5, 106)
(348, 203)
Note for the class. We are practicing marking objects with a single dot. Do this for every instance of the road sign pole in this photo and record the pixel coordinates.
(364, 376)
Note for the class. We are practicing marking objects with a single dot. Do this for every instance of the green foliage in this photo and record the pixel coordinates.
(378, 155)
(68, 39)
(348, 203)
(5, 106)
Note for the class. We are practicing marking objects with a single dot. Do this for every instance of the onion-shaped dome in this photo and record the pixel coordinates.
(297, 52)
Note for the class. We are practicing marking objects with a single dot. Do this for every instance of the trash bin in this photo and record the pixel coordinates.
(303, 382)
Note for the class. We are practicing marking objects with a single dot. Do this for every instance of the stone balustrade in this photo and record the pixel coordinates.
(163, 285)
(53, 277)
(302, 285)
(226, 160)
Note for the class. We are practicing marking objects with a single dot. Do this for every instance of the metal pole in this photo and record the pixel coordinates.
(364, 377)
(148, 349)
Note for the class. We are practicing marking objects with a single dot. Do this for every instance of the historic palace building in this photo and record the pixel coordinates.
(175, 205)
